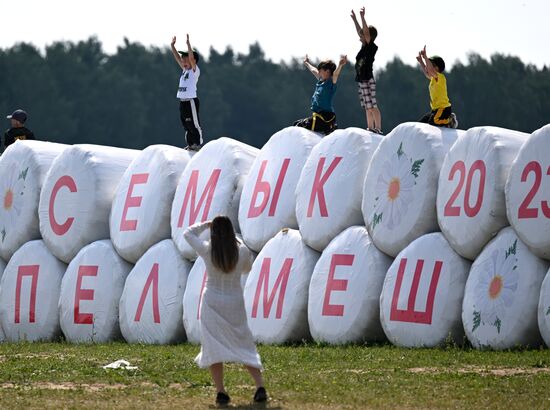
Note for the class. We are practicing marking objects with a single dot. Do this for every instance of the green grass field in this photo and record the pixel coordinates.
(311, 376)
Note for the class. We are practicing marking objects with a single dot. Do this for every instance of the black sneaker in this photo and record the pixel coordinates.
(260, 395)
(222, 399)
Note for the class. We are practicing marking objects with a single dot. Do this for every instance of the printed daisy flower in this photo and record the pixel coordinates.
(394, 190)
(496, 288)
(11, 201)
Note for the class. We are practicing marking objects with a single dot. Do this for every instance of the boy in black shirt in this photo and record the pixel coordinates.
(364, 74)
(18, 131)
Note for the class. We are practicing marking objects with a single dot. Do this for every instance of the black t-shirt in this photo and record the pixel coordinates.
(364, 62)
(13, 134)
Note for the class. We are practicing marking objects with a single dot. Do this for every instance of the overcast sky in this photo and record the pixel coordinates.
(292, 28)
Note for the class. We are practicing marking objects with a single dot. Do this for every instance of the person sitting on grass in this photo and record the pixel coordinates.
(323, 118)
(441, 114)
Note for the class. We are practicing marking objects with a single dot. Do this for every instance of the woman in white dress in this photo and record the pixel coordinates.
(225, 335)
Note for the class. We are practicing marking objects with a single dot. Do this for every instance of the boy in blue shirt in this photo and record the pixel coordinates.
(323, 118)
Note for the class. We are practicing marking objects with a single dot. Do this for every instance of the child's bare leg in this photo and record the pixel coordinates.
(216, 370)
(370, 118)
(256, 375)
(377, 118)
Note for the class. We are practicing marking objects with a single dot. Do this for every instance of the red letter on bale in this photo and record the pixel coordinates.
(264, 187)
(336, 284)
(191, 194)
(281, 282)
(152, 279)
(60, 229)
(83, 294)
(409, 314)
(132, 202)
(32, 271)
(318, 183)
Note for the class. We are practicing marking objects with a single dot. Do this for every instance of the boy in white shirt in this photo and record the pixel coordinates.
(187, 94)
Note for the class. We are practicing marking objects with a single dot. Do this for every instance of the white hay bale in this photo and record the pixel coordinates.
(276, 291)
(330, 188)
(502, 294)
(211, 185)
(543, 311)
(528, 193)
(421, 301)
(268, 201)
(76, 197)
(151, 307)
(23, 167)
(471, 208)
(140, 216)
(400, 187)
(29, 293)
(344, 292)
(90, 293)
(2, 267)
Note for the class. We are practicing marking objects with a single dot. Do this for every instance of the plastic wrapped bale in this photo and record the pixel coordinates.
(76, 197)
(90, 293)
(421, 300)
(151, 307)
(29, 294)
(502, 294)
(400, 187)
(471, 207)
(543, 314)
(528, 193)
(140, 215)
(2, 267)
(23, 167)
(211, 185)
(192, 299)
(344, 292)
(276, 291)
(330, 188)
(268, 201)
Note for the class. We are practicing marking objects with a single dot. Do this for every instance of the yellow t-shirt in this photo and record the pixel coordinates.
(438, 92)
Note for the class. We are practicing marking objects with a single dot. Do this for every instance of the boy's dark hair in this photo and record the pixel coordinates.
(327, 65)
(185, 54)
(438, 62)
(373, 33)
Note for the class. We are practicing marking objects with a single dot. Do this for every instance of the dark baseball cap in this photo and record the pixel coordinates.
(185, 54)
(18, 115)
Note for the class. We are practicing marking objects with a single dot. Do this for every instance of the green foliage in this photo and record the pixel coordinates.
(415, 168)
(400, 150)
(76, 93)
(497, 324)
(477, 320)
(512, 249)
(376, 219)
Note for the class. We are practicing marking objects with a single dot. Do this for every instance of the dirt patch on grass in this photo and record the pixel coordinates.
(91, 387)
(483, 371)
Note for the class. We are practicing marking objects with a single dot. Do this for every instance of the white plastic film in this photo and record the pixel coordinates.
(23, 168)
(2, 267)
(268, 201)
(211, 185)
(140, 216)
(90, 294)
(330, 188)
(471, 207)
(276, 291)
(400, 187)
(421, 300)
(344, 292)
(151, 307)
(528, 193)
(502, 294)
(543, 313)
(76, 197)
(29, 294)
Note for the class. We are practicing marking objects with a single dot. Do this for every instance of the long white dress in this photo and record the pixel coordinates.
(225, 335)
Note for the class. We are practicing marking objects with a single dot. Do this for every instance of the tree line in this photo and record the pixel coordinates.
(74, 92)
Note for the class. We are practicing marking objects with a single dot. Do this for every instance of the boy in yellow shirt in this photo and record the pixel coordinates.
(441, 114)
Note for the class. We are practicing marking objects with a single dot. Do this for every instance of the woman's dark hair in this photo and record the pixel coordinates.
(225, 250)
(438, 62)
(373, 33)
